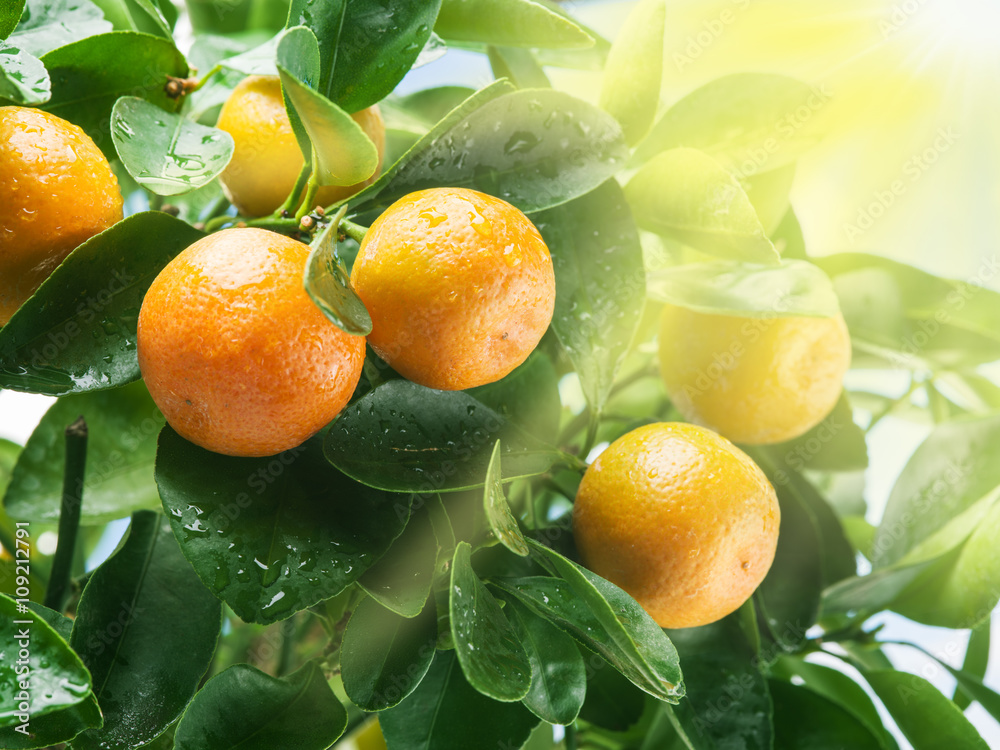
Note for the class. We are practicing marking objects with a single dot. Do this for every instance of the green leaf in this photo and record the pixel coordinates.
(78, 332)
(164, 152)
(401, 580)
(47, 24)
(749, 122)
(446, 713)
(527, 397)
(729, 705)
(769, 193)
(514, 23)
(788, 239)
(256, 61)
(600, 284)
(384, 656)
(977, 657)
(329, 285)
(535, 149)
(688, 196)
(796, 288)
(54, 728)
(272, 536)
(90, 75)
(604, 619)
(519, 66)
(835, 444)
(59, 622)
(366, 46)
(905, 317)
(135, 15)
(402, 437)
(55, 676)
(23, 78)
(501, 520)
(492, 659)
(344, 154)
(558, 674)
(927, 718)
(877, 590)
(144, 619)
(122, 426)
(630, 90)
(612, 701)
(805, 720)
(244, 708)
(10, 14)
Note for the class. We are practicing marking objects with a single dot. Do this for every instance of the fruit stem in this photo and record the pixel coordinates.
(300, 182)
(355, 231)
(216, 223)
(203, 80)
(312, 185)
(69, 515)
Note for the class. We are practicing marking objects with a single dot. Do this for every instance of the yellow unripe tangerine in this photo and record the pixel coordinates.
(755, 380)
(56, 191)
(681, 519)
(267, 159)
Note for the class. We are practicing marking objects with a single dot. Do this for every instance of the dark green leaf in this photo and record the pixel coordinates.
(446, 713)
(604, 619)
(272, 536)
(515, 23)
(501, 520)
(729, 705)
(164, 152)
(804, 720)
(78, 332)
(403, 437)
(536, 149)
(750, 122)
(384, 656)
(10, 14)
(612, 701)
(144, 619)
(519, 66)
(927, 718)
(90, 75)
(122, 425)
(527, 397)
(492, 659)
(53, 728)
(401, 580)
(687, 195)
(23, 78)
(630, 89)
(329, 286)
(59, 622)
(558, 674)
(55, 677)
(247, 709)
(600, 284)
(835, 444)
(47, 24)
(795, 288)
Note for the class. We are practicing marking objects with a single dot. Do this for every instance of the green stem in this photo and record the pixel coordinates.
(312, 186)
(69, 515)
(278, 225)
(216, 223)
(287, 654)
(592, 424)
(355, 231)
(571, 736)
(205, 79)
(300, 182)
(894, 404)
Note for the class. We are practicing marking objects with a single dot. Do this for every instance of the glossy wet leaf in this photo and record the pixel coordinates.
(721, 670)
(600, 283)
(750, 122)
(10, 15)
(401, 580)
(535, 149)
(53, 728)
(446, 713)
(344, 154)
(604, 619)
(90, 75)
(402, 437)
(925, 716)
(805, 720)
(630, 89)
(47, 24)
(272, 536)
(795, 288)
(527, 397)
(686, 195)
(78, 332)
(515, 23)
(122, 426)
(329, 286)
(164, 152)
(498, 514)
(136, 15)
(144, 619)
(384, 656)
(492, 659)
(245, 708)
(23, 78)
(58, 677)
(366, 46)
(558, 674)
(519, 66)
